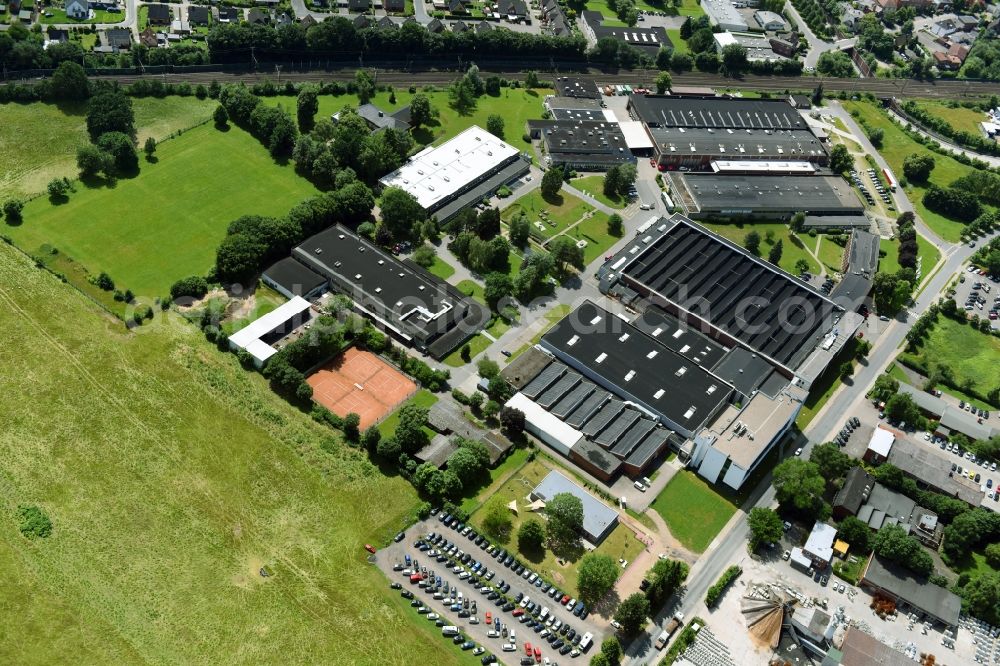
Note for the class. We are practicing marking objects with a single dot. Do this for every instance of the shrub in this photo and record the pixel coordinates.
(34, 522)
(725, 580)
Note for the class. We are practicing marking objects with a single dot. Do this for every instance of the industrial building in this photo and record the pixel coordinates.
(877, 506)
(645, 39)
(723, 14)
(408, 302)
(758, 49)
(880, 576)
(463, 170)
(258, 337)
(576, 108)
(291, 278)
(581, 145)
(719, 113)
(599, 520)
(766, 196)
(567, 86)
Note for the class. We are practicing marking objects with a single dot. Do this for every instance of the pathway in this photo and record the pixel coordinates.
(992, 160)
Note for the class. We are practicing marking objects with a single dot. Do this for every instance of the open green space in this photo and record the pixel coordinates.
(687, 8)
(498, 327)
(164, 224)
(472, 497)
(896, 146)
(974, 563)
(692, 510)
(680, 45)
(890, 262)
(548, 217)
(422, 398)
(172, 477)
(620, 544)
(594, 186)
(265, 300)
(850, 570)
(441, 268)
(972, 356)
(961, 118)
(790, 253)
(99, 16)
(472, 289)
(477, 344)
(38, 141)
(594, 230)
(829, 253)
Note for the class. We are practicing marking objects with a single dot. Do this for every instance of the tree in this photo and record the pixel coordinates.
(597, 574)
(121, 149)
(487, 368)
(512, 422)
(220, 116)
(400, 211)
(410, 431)
(496, 519)
(462, 96)
(530, 536)
(765, 527)
(421, 111)
(91, 160)
(520, 230)
(901, 407)
(616, 227)
(846, 369)
(58, 188)
(306, 106)
(799, 486)
(893, 543)
(565, 252)
(494, 125)
(665, 578)
(194, 286)
(663, 82)
(466, 466)
(531, 80)
(110, 111)
(599, 660)
(734, 59)
(833, 463)
(840, 159)
(12, 210)
(497, 287)
(365, 85)
(917, 167)
(992, 554)
(982, 596)
(855, 532)
(552, 182)
(370, 438)
(797, 222)
(801, 266)
(69, 81)
(149, 147)
(876, 135)
(612, 650)
(752, 243)
(424, 256)
(632, 613)
(774, 254)
(388, 448)
(565, 514)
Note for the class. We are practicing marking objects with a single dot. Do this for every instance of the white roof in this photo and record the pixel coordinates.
(762, 166)
(820, 541)
(635, 135)
(881, 442)
(434, 174)
(545, 421)
(249, 337)
(800, 558)
(724, 39)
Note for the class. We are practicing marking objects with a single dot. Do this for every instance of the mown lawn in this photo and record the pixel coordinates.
(422, 398)
(621, 543)
(441, 268)
(164, 224)
(594, 186)
(959, 117)
(687, 8)
(896, 146)
(595, 231)
(829, 253)
(692, 510)
(59, 16)
(477, 344)
(472, 289)
(38, 141)
(172, 476)
(790, 252)
(972, 356)
(548, 217)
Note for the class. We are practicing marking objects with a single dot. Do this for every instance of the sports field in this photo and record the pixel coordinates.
(360, 382)
(172, 476)
(165, 224)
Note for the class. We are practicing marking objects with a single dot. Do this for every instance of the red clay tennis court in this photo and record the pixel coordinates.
(360, 382)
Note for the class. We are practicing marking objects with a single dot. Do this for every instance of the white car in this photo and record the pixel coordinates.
(508, 647)
(798, 451)
(615, 624)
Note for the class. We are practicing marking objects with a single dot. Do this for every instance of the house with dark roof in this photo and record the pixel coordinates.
(57, 35)
(645, 39)
(228, 14)
(458, 27)
(307, 21)
(292, 278)
(483, 27)
(436, 26)
(378, 119)
(386, 23)
(119, 39)
(363, 21)
(395, 6)
(359, 5)
(514, 10)
(456, 7)
(148, 38)
(888, 579)
(259, 16)
(158, 14)
(198, 15)
(857, 487)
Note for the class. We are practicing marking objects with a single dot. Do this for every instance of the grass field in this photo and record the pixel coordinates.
(100, 16)
(441, 268)
(38, 141)
(692, 510)
(472, 288)
(477, 344)
(164, 224)
(594, 186)
(171, 476)
(554, 215)
(422, 398)
(790, 253)
(621, 543)
(594, 230)
(959, 117)
(828, 252)
(896, 146)
(971, 355)
(687, 8)
(551, 317)
(680, 46)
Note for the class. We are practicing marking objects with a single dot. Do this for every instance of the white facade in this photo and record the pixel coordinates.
(544, 425)
(78, 9)
(769, 20)
(723, 14)
(249, 337)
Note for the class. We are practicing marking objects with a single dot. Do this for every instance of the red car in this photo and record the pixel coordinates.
(518, 612)
(370, 548)
(527, 648)
(489, 617)
(564, 600)
(538, 655)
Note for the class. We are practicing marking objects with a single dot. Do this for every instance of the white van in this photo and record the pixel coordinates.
(508, 647)
(585, 642)
(544, 614)
(449, 630)
(638, 486)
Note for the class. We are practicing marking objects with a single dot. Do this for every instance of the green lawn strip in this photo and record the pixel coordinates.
(551, 318)
(38, 141)
(441, 268)
(548, 218)
(171, 476)
(830, 254)
(929, 255)
(472, 497)
(693, 511)
(265, 300)
(790, 253)
(896, 146)
(972, 356)
(498, 327)
(890, 262)
(621, 543)
(165, 224)
(974, 563)
(959, 117)
(477, 344)
(594, 186)
(680, 45)
(594, 230)
(422, 398)
(471, 288)
(687, 8)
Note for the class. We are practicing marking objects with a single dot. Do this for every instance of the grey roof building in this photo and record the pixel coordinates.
(715, 112)
(378, 119)
(598, 518)
(292, 278)
(584, 145)
(567, 86)
(704, 195)
(645, 39)
(897, 582)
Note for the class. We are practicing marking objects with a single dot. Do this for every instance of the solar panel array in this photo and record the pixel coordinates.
(624, 431)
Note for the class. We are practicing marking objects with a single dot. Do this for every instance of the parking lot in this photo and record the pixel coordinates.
(458, 577)
(980, 295)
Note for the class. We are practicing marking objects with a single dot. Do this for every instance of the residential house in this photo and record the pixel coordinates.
(436, 26)
(283, 19)
(966, 22)
(514, 10)
(458, 27)
(363, 21)
(78, 9)
(119, 39)
(259, 16)
(484, 27)
(457, 7)
(394, 6)
(56, 35)
(180, 27)
(158, 14)
(228, 14)
(148, 38)
(769, 20)
(359, 5)
(307, 21)
(197, 15)
(386, 23)
(819, 545)
(851, 18)
(784, 47)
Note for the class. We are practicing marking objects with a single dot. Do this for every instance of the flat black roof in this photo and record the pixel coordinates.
(640, 37)
(741, 144)
(404, 295)
(680, 337)
(837, 221)
(294, 277)
(476, 194)
(760, 194)
(744, 369)
(567, 86)
(561, 113)
(626, 361)
(716, 112)
(709, 278)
